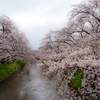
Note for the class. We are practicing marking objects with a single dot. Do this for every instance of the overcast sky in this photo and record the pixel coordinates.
(37, 17)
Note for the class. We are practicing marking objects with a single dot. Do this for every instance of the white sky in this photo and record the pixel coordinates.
(37, 17)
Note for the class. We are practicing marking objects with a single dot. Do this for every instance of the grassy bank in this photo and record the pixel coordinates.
(76, 81)
(9, 67)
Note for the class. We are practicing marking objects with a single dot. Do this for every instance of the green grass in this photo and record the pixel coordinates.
(19, 63)
(76, 80)
(71, 69)
(8, 68)
(55, 60)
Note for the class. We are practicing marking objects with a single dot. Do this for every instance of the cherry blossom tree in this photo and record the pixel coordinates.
(81, 56)
(13, 43)
(86, 17)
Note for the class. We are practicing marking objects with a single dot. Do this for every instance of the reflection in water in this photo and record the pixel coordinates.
(29, 86)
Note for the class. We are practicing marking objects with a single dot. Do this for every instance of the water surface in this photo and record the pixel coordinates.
(29, 85)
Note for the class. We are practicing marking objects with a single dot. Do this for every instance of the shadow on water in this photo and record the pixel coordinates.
(28, 85)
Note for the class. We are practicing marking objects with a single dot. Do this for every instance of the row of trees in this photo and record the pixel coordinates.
(13, 43)
(75, 47)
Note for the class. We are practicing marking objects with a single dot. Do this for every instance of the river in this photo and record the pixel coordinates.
(28, 85)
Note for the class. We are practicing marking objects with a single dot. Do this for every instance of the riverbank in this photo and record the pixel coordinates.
(29, 86)
(72, 77)
(9, 68)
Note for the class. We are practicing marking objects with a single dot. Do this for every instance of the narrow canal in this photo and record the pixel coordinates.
(29, 85)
